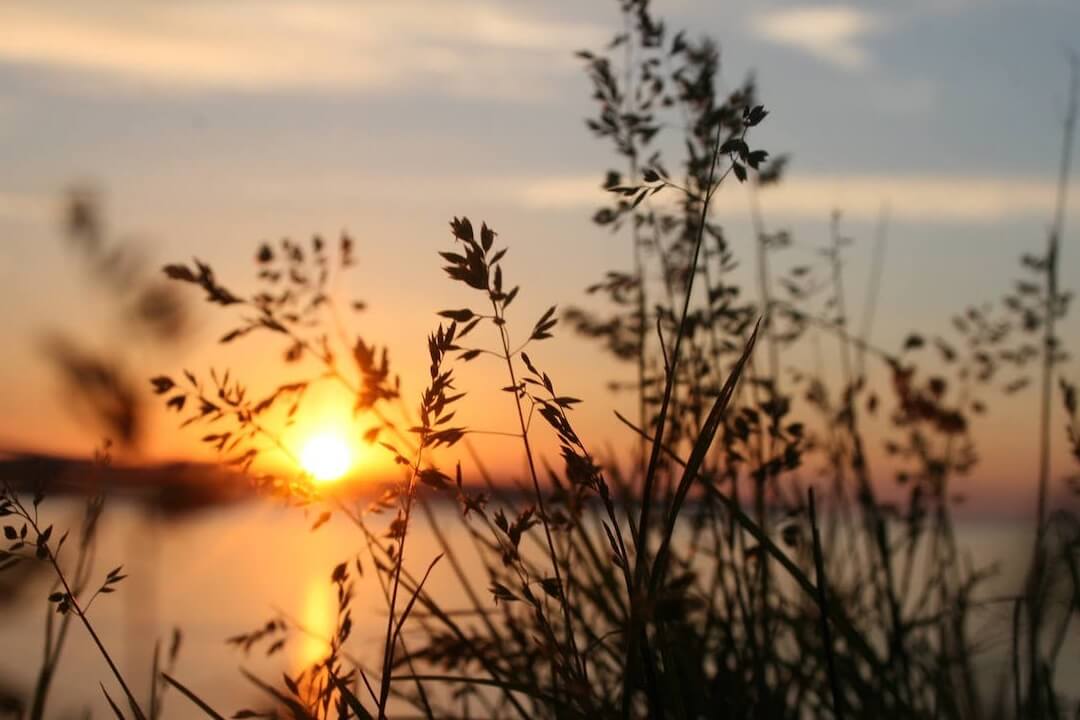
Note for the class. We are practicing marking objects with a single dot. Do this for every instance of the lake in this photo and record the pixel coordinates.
(227, 571)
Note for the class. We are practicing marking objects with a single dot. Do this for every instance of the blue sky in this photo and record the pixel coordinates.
(210, 126)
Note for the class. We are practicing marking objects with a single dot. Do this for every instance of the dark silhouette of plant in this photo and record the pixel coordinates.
(147, 308)
(747, 560)
(648, 588)
(31, 540)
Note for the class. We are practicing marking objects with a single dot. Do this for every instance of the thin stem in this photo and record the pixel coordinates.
(823, 603)
(654, 455)
(636, 634)
(873, 287)
(1050, 311)
(1053, 253)
(391, 635)
(80, 613)
(505, 339)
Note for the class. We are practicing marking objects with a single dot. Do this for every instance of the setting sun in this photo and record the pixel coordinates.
(326, 457)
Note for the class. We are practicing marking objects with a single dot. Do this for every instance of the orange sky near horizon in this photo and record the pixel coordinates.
(205, 138)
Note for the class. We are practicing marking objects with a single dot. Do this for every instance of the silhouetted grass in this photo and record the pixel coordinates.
(689, 578)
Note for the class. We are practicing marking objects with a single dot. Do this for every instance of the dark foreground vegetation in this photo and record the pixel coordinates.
(737, 560)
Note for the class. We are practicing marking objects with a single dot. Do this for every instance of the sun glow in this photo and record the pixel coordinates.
(326, 457)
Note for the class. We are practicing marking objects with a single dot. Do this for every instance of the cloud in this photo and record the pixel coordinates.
(914, 198)
(829, 32)
(472, 48)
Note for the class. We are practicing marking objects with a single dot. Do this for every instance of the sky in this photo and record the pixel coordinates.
(209, 127)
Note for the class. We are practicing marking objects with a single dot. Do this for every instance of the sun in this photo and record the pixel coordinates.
(326, 457)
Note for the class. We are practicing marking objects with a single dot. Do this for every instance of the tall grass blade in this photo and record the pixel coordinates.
(350, 699)
(697, 458)
(823, 604)
(198, 701)
(115, 709)
(297, 710)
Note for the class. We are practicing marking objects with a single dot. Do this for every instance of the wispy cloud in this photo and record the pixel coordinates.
(476, 48)
(832, 33)
(916, 198)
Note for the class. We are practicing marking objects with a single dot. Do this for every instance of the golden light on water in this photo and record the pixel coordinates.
(318, 619)
(326, 457)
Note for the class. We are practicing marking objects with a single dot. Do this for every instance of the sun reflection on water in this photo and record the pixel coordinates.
(318, 620)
